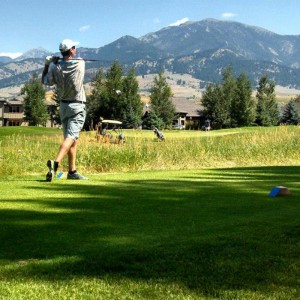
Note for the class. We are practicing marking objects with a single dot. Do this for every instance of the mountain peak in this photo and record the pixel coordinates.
(39, 52)
(199, 48)
(5, 59)
(179, 22)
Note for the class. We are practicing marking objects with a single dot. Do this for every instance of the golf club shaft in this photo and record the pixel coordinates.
(85, 59)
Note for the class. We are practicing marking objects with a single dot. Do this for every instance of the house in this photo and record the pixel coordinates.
(12, 112)
(188, 114)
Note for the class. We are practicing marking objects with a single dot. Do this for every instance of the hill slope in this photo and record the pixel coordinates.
(201, 49)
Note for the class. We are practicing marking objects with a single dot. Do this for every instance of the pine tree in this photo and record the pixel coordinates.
(115, 96)
(95, 99)
(219, 101)
(291, 115)
(151, 120)
(267, 108)
(212, 103)
(114, 102)
(160, 98)
(106, 95)
(243, 106)
(35, 108)
(229, 90)
(54, 109)
(133, 110)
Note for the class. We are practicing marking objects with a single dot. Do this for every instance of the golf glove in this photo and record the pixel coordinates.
(50, 58)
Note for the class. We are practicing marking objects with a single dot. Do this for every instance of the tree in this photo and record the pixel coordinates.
(35, 108)
(161, 104)
(243, 106)
(94, 103)
(212, 103)
(115, 102)
(297, 99)
(134, 107)
(291, 115)
(150, 120)
(219, 101)
(115, 96)
(267, 107)
(229, 91)
(54, 109)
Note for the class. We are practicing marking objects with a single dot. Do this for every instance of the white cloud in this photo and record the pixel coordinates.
(84, 28)
(156, 21)
(11, 54)
(228, 15)
(179, 22)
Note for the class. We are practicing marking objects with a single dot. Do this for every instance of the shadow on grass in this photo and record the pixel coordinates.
(210, 231)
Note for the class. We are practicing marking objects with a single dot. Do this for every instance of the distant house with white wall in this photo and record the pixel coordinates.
(12, 112)
(188, 114)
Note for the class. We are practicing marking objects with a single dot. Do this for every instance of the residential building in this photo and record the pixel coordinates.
(188, 114)
(12, 112)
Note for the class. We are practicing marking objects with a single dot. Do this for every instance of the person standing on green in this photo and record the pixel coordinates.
(67, 75)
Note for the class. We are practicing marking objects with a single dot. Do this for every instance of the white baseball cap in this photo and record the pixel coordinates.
(66, 45)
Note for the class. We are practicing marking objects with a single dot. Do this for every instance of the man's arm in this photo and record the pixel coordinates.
(45, 72)
(49, 59)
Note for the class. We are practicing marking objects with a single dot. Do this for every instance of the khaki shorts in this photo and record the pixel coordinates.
(72, 116)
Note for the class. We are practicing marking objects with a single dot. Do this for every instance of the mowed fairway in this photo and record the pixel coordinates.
(207, 233)
(198, 234)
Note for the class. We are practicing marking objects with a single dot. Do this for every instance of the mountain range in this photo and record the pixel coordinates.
(202, 49)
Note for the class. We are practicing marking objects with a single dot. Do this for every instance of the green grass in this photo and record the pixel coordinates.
(28, 131)
(203, 233)
(197, 234)
(142, 151)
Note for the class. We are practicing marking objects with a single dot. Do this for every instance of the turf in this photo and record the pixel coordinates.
(189, 234)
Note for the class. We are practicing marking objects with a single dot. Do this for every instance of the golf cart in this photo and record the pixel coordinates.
(110, 131)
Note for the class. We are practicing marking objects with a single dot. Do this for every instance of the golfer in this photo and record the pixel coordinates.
(67, 75)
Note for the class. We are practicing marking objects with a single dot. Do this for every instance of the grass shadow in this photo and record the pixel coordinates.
(210, 231)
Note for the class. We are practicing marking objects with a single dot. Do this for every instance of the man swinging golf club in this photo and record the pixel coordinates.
(67, 75)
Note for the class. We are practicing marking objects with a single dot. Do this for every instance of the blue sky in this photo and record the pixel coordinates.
(28, 24)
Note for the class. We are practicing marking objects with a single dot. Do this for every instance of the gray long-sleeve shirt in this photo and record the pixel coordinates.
(68, 77)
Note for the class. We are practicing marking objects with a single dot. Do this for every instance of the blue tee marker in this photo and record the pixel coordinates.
(279, 191)
(60, 175)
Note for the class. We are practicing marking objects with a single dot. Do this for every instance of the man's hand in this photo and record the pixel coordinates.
(50, 58)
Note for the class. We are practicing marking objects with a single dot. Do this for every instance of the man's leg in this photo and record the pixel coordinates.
(53, 164)
(65, 148)
(72, 174)
(72, 156)
(72, 116)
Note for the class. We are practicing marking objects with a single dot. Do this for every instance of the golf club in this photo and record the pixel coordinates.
(85, 59)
